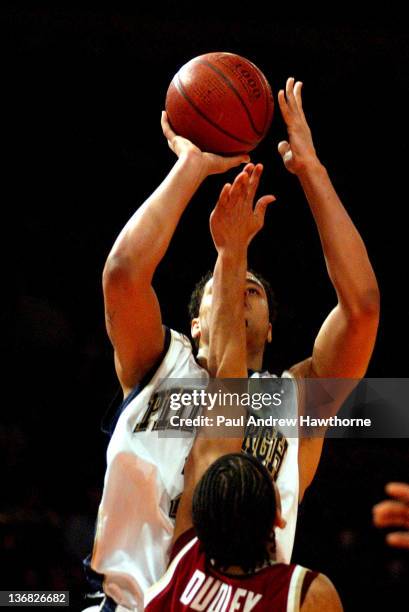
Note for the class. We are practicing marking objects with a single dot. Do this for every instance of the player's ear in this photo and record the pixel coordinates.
(269, 333)
(195, 328)
(279, 521)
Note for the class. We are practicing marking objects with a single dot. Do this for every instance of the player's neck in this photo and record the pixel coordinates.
(202, 356)
(236, 570)
(255, 361)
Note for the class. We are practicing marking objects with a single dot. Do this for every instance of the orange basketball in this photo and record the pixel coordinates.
(221, 102)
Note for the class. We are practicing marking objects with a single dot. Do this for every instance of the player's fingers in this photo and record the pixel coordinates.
(241, 178)
(239, 189)
(224, 195)
(283, 147)
(236, 160)
(166, 129)
(298, 97)
(249, 168)
(253, 183)
(398, 539)
(261, 207)
(391, 513)
(289, 92)
(399, 490)
(285, 151)
(282, 103)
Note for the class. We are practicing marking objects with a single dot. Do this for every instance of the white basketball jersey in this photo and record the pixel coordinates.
(144, 478)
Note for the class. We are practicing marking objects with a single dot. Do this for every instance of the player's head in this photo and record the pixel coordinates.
(235, 506)
(260, 310)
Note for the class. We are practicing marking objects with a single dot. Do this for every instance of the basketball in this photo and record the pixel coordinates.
(221, 102)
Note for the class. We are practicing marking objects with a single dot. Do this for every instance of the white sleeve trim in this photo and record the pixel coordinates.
(294, 590)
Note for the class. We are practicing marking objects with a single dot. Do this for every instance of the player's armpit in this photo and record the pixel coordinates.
(322, 595)
(133, 322)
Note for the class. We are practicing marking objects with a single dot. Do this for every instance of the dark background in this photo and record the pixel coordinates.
(82, 94)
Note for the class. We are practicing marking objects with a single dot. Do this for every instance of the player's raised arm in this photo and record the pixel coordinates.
(233, 225)
(345, 342)
(132, 310)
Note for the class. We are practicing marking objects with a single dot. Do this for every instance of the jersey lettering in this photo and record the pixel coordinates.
(158, 413)
(198, 596)
(205, 596)
(268, 445)
(251, 601)
(192, 588)
(156, 403)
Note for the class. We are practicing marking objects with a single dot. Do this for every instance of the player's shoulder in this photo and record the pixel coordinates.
(321, 595)
(179, 337)
(179, 345)
(187, 537)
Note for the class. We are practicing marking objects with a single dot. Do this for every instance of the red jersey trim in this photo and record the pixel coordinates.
(163, 583)
(181, 542)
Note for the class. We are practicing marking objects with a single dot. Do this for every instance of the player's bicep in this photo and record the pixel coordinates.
(134, 325)
(344, 344)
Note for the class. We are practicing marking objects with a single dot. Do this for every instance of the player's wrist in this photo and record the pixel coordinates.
(309, 165)
(233, 254)
(192, 162)
(191, 156)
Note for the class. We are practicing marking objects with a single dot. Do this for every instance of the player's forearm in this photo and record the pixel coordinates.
(345, 254)
(145, 238)
(227, 334)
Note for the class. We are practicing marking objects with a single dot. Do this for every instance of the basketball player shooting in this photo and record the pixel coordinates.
(134, 529)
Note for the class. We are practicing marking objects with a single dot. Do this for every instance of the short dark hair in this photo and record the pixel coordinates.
(197, 295)
(233, 511)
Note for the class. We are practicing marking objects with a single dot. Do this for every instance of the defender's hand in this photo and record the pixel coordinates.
(210, 163)
(233, 222)
(298, 152)
(394, 513)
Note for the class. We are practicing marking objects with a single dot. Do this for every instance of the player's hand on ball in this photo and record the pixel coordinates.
(234, 222)
(298, 152)
(210, 163)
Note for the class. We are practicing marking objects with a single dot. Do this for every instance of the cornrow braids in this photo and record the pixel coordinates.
(233, 511)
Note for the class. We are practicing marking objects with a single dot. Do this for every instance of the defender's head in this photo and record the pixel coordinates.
(235, 506)
(260, 310)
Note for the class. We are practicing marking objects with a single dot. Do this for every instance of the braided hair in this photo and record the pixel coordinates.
(233, 511)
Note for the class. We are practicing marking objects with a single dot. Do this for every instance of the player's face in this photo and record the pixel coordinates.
(256, 314)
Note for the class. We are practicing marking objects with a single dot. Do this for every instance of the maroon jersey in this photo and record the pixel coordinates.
(191, 583)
